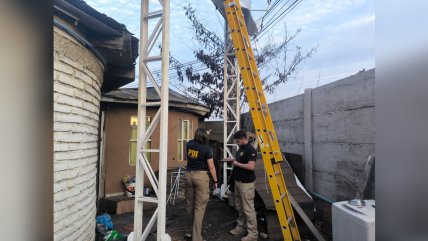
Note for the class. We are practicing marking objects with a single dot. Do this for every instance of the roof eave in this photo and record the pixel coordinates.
(197, 109)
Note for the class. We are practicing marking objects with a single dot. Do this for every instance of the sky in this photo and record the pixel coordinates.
(343, 32)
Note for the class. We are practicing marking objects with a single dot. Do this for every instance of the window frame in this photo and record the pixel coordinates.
(183, 124)
(133, 141)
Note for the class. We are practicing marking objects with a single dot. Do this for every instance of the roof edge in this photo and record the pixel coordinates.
(198, 109)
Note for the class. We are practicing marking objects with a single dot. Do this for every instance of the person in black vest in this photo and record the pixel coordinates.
(245, 180)
(199, 162)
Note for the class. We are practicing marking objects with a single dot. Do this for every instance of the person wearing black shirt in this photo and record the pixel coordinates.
(245, 180)
(199, 162)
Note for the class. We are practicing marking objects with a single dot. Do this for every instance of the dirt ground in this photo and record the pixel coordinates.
(219, 219)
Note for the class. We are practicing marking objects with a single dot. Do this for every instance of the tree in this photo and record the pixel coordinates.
(206, 84)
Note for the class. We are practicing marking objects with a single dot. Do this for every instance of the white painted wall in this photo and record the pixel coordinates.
(77, 82)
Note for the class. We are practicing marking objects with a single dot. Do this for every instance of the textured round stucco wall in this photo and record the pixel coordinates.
(78, 75)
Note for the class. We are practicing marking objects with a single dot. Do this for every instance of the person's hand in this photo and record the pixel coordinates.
(215, 185)
(235, 163)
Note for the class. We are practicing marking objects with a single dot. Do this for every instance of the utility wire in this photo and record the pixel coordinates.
(272, 19)
(271, 8)
(122, 6)
(279, 18)
(277, 12)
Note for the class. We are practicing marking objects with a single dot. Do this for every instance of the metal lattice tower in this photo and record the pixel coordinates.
(143, 167)
(265, 131)
(231, 109)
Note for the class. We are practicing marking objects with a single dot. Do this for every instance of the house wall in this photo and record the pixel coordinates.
(118, 134)
(340, 122)
(78, 76)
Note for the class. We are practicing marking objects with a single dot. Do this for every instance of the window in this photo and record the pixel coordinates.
(185, 130)
(133, 140)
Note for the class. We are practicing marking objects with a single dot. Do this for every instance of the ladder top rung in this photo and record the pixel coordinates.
(230, 4)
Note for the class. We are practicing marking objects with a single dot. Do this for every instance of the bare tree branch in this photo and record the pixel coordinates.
(207, 83)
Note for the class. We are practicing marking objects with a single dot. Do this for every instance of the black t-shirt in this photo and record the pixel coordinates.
(245, 154)
(197, 156)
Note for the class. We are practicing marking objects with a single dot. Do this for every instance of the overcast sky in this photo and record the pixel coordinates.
(344, 32)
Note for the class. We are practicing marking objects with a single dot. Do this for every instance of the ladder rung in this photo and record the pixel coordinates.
(276, 173)
(283, 195)
(246, 43)
(230, 5)
(241, 22)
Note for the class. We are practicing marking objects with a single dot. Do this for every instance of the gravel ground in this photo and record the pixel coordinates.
(219, 219)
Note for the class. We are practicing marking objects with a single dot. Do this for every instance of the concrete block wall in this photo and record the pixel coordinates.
(341, 131)
(77, 80)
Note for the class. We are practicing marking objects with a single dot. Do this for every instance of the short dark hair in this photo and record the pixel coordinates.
(240, 135)
(201, 136)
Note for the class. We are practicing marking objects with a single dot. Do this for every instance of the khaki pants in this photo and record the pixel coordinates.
(197, 196)
(244, 204)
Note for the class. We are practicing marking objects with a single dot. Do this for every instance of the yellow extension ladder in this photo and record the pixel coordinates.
(272, 156)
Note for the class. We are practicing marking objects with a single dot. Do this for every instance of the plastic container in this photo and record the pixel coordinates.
(353, 223)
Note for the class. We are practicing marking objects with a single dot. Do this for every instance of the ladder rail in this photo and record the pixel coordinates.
(262, 120)
(255, 84)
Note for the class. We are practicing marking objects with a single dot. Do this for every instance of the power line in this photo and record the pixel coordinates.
(117, 9)
(271, 8)
(279, 18)
(272, 19)
(129, 15)
(276, 13)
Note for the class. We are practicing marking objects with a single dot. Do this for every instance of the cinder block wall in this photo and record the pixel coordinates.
(342, 128)
(78, 77)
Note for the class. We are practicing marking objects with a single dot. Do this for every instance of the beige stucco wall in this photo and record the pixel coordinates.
(118, 133)
(77, 81)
